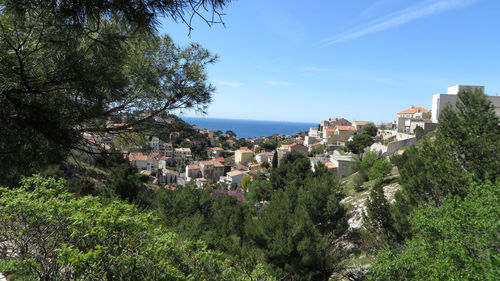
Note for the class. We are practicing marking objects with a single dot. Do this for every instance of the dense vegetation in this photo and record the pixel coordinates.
(444, 222)
(69, 66)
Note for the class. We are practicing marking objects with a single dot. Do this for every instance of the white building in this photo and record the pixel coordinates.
(440, 101)
(235, 176)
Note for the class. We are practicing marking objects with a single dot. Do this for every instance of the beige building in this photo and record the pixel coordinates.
(242, 156)
(183, 153)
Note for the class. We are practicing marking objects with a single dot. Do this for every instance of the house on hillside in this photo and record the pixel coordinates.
(235, 176)
(243, 155)
(360, 124)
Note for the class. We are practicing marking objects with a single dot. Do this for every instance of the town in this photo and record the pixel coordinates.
(169, 161)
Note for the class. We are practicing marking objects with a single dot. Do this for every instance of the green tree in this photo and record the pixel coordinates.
(359, 142)
(55, 236)
(69, 65)
(369, 129)
(380, 168)
(456, 241)
(259, 190)
(275, 160)
(472, 134)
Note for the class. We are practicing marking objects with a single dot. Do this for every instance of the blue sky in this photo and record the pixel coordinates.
(361, 60)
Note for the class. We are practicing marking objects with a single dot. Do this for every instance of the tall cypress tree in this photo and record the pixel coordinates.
(275, 160)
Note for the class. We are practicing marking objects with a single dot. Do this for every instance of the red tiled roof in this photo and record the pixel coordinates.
(220, 159)
(137, 156)
(330, 129)
(414, 109)
(330, 165)
(345, 128)
(193, 166)
(154, 154)
(206, 163)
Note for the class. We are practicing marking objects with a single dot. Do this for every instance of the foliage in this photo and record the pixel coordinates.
(275, 160)
(318, 149)
(359, 142)
(57, 237)
(295, 230)
(380, 168)
(456, 241)
(472, 134)
(66, 66)
(378, 217)
(259, 190)
(245, 181)
(369, 129)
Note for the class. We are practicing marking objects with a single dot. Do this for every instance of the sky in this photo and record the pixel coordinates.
(306, 61)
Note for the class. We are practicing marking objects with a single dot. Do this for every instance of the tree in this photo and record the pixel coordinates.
(456, 241)
(359, 142)
(472, 134)
(259, 190)
(55, 236)
(275, 160)
(380, 168)
(245, 181)
(369, 129)
(67, 66)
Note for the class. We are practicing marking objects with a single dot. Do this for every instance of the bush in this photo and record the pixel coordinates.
(380, 168)
(58, 237)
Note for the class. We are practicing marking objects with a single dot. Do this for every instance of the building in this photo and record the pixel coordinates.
(344, 130)
(360, 124)
(140, 161)
(211, 169)
(314, 133)
(300, 148)
(193, 171)
(167, 176)
(183, 153)
(264, 157)
(235, 176)
(242, 156)
(216, 152)
(440, 101)
(342, 162)
(407, 120)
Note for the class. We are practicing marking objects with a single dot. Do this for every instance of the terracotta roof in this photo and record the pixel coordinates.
(414, 109)
(206, 163)
(346, 128)
(220, 159)
(330, 129)
(154, 154)
(165, 171)
(145, 172)
(244, 149)
(218, 164)
(170, 187)
(137, 156)
(217, 148)
(193, 166)
(330, 165)
(235, 173)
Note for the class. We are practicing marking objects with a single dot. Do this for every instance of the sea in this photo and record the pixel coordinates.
(250, 128)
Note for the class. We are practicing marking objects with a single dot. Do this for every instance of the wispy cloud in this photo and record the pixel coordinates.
(314, 69)
(277, 83)
(229, 83)
(401, 17)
